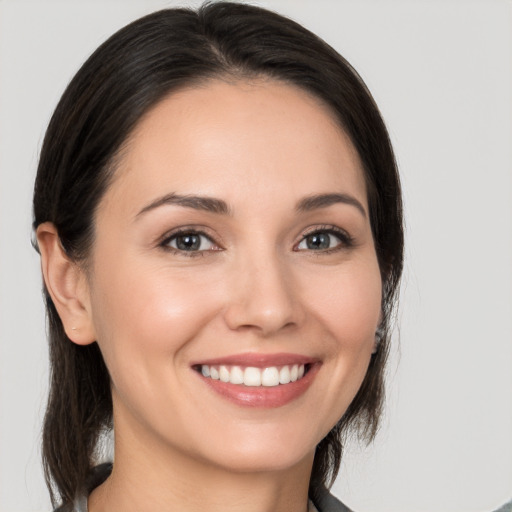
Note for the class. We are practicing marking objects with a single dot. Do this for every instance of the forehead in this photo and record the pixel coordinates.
(237, 139)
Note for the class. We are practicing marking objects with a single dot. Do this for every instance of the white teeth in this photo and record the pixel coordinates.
(294, 373)
(254, 377)
(237, 375)
(224, 374)
(284, 375)
(270, 377)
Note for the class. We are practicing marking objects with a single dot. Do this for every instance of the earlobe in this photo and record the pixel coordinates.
(379, 334)
(67, 285)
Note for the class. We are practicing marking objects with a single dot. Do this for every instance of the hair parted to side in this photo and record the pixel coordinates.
(126, 76)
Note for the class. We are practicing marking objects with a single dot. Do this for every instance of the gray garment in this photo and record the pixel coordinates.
(506, 508)
(325, 503)
(328, 503)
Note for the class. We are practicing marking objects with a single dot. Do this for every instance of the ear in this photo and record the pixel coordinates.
(379, 334)
(67, 285)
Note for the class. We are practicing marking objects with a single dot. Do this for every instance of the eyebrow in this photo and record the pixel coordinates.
(218, 206)
(324, 200)
(208, 204)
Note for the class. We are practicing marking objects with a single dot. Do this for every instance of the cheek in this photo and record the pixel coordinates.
(349, 313)
(142, 313)
(348, 303)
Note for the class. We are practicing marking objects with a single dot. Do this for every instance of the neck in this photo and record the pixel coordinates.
(147, 478)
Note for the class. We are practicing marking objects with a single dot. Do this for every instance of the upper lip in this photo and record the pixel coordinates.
(258, 360)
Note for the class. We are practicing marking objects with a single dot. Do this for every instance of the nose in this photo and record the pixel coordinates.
(264, 297)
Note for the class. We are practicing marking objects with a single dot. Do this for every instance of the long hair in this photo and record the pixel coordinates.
(127, 75)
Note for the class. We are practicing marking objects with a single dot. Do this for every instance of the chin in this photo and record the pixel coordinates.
(264, 450)
(264, 461)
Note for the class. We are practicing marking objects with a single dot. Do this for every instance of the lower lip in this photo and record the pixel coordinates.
(262, 396)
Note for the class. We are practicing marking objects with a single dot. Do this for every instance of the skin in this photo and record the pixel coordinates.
(254, 287)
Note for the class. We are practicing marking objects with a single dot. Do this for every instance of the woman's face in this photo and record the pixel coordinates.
(233, 253)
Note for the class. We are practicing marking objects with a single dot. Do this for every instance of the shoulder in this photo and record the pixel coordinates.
(326, 502)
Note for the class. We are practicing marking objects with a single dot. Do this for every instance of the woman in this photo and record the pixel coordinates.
(218, 212)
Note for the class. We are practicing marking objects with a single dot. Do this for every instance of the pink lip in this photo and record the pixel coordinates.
(258, 360)
(261, 396)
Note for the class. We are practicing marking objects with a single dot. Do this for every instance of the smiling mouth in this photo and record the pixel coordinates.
(259, 380)
(251, 376)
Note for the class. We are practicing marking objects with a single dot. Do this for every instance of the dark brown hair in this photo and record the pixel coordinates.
(127, 75)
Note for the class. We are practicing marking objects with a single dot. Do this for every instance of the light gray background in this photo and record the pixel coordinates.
(441, 72)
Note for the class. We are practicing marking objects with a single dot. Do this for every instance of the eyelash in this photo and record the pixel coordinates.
(169, 237)
(346, 241)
